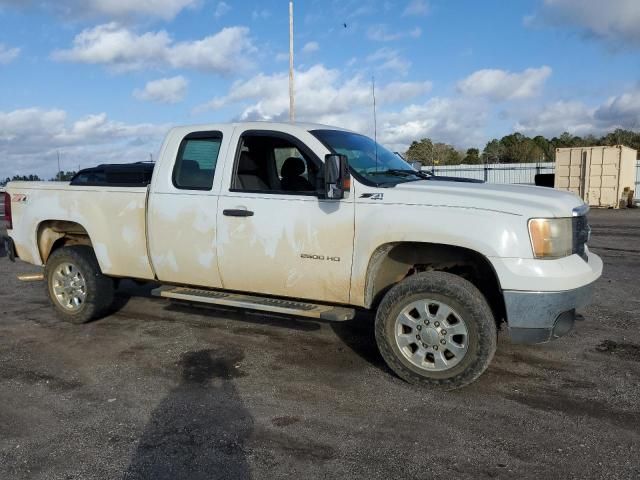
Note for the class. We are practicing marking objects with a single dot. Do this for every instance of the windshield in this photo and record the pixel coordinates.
(368, 159)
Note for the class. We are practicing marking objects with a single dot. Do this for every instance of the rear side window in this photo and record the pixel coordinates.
(196, 162)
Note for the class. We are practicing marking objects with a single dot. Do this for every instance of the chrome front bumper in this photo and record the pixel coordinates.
(538, 317)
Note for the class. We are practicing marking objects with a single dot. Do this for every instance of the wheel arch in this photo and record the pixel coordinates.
(392, 262)
(54, 234)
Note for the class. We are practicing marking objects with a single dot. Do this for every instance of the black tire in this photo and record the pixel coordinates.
(466, 300)
(100, 289)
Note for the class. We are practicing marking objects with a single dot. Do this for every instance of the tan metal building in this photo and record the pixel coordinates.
(601, 176)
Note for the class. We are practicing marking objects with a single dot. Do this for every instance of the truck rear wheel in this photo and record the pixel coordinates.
(75, 285)
(436, 329)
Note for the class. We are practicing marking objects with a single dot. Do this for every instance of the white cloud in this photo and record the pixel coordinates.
(121, 9)
(311, 47)
(332, 97)
(30, 139)
(320, 92)
(621, 111)
(8, 54)
(222, 8)
(166, 9)
(555, 118)
(454, 121)
(353, 9)
(417, 7)
(500, 85)
(121, 49)
(116, 46)
(164, 90)
(260, 14)
(415, 33)
(615, 21)
(381, 33)
(398, 92)
(390, 59)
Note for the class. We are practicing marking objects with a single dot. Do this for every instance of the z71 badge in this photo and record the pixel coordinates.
(19, 198)
(373, 196)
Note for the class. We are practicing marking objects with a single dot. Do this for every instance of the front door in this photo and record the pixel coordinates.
(275, 236)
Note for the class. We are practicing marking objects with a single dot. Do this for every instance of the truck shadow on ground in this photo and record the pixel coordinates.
(357, 334)
(200, 429)
(126, 290)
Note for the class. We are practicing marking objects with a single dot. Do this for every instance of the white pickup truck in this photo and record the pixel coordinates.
(316, 221)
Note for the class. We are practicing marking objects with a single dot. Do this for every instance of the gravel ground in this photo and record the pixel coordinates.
(159, 390)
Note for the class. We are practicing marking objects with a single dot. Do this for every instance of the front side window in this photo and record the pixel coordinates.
(196, 162)
(274, 164)
(368, 159)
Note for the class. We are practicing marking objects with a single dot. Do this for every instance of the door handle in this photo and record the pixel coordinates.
(237, 213)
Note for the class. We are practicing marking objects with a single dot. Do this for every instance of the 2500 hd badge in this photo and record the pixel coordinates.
(319, 257)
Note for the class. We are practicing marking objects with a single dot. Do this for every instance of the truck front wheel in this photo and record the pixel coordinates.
(76, 286)
(436, 329)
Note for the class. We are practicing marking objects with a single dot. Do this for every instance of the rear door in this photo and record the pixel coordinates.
(275, 235)
(183, 206)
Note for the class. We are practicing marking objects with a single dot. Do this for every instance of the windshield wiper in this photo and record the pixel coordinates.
(402, 173)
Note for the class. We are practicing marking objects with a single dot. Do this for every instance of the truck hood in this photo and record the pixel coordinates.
(513, 199)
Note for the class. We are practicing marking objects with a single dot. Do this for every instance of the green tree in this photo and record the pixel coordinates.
(566, 140)
(445, 154)
(472, 156)
(517, 148)
(63, 176)
(421, 151)
(622, 137)
(546, 148)
(493, 152)
(25, 178)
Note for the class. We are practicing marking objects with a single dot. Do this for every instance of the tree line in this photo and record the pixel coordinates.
(514, 148)
(60, 177)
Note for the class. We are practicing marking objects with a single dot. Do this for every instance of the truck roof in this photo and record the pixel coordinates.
(264, 125)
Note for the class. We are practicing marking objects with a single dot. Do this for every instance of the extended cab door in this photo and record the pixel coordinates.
(275, 236)
(183, 204)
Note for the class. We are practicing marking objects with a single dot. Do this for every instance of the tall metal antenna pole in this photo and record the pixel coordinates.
(375, 118)
(58, 174)
(292, 111)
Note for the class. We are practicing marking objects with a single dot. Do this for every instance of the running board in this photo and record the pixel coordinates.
(252, 302)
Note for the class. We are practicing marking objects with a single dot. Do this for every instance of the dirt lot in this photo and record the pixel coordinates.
(164, 391)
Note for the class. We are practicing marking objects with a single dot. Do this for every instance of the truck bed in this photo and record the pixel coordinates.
(113, 213)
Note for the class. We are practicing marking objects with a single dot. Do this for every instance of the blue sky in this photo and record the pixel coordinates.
(102, 80)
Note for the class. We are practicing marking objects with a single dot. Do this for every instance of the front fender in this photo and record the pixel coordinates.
(488, 233)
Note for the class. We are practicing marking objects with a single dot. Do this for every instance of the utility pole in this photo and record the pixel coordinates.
(58, 173)
(292, 111)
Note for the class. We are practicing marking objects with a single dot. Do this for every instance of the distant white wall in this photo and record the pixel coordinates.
(507, 173)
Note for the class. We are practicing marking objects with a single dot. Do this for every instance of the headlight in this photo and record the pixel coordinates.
(551, 237)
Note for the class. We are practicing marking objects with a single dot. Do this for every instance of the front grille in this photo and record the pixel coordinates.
(581, 231)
